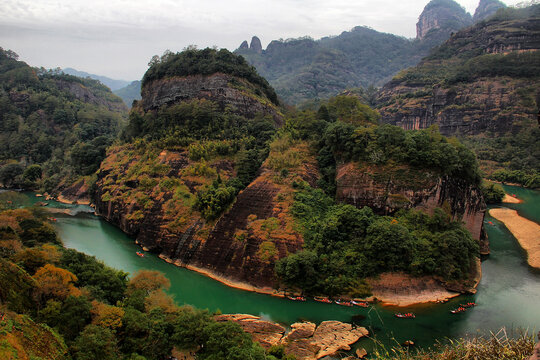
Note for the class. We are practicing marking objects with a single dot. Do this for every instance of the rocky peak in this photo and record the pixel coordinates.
(256, 45)
(446, 16)
(244, 45)
(486, 8)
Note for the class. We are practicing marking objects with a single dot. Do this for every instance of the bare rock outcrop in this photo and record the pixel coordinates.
(255, 45)
(264, 332)
(445, 16)
(486, 8)
(305, 341)
(216, 87)
(386, 190)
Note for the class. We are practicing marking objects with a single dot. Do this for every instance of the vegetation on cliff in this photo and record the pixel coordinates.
(57, 303)
(344, 244)
(54, 127)
(206, 62)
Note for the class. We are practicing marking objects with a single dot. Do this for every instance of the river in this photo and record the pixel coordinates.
(508, 294)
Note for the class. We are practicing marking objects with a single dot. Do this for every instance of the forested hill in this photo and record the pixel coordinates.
(54, 128)
(482, 84)
(210, 173)
(305, 69)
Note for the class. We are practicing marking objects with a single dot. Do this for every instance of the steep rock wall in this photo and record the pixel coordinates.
(486, 105)
(226, 90)
(387, 190)
(242, 245)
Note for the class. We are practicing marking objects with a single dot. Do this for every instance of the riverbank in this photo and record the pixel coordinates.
(226, 281)
(526, 232)
(400, 289)
(79, 201)
(511, 200)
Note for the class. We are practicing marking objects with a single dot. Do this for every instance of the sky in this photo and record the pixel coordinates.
(117, 38)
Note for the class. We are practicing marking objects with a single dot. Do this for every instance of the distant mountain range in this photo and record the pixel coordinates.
(305, 69)
(113, 84)
(127, 90)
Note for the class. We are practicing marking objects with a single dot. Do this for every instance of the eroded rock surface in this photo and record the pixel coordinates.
(387, 190)
(305, 341)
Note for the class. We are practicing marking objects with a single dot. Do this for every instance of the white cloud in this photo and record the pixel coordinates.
(117, 37)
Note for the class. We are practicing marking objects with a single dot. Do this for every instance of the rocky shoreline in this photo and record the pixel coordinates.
(304, 340)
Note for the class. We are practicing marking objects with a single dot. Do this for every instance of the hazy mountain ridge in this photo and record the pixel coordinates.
(304, 69)
(113, 84)
(130, 92)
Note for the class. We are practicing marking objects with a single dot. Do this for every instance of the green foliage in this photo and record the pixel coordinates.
(103, 282)
(493, 193)
(304, 69)
(425, 149)
(517, 156)
(45, 121)
(149, 324)
(349, 109)
(95, 342)
(214, 200)
(206, 62)
(344, 244)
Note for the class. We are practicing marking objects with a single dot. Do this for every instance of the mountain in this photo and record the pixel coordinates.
(54, 127)
(130, 92)
(213, 174)
(482, 82)
(487, 8)
(305, 69)
(440, 18)
(113, 84)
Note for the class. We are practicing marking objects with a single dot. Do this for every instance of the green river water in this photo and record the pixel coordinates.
(508, 295)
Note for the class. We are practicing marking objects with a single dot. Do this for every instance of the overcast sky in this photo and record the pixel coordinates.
(117, 38)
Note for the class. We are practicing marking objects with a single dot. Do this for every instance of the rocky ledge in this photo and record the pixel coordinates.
(229, 92)
(306, 341)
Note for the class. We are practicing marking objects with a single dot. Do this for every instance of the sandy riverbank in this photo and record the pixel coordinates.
(64, 200)
(400, 289)
(511, 200)
(526, 232)
(231, 283)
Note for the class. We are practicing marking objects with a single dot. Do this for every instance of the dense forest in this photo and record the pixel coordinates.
(55, 127)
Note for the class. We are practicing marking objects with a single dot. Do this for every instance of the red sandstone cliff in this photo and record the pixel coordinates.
(388, 189)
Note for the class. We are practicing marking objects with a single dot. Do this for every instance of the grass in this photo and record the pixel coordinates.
(494, 346)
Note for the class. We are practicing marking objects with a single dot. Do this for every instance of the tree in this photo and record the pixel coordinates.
(96, 342)
(55, 282)
(32, 173)
(9, 174)
(148, 281)
(107, 316)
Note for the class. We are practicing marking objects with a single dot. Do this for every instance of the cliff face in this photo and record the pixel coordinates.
(485, 105)
(486, 8)
(226, 90)
(387, 189)
(444, 16)
(241, 245)
(483, 79)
